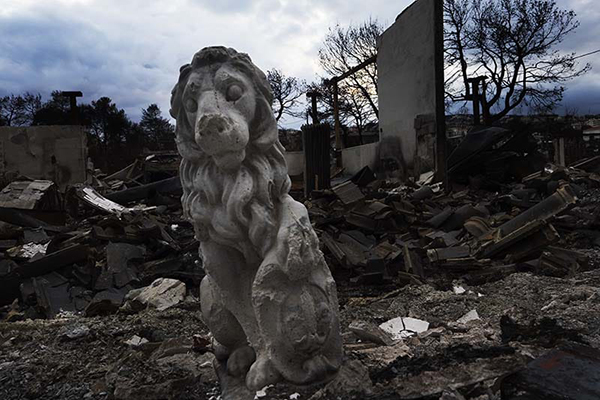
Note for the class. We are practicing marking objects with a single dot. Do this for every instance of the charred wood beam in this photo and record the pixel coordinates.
(170, 185)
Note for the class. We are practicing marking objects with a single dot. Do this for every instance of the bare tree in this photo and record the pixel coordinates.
(512, 43)
(354, 109)
(11, 109)
(287, 91)
(32, 103)
(19, 110)
(345, 48)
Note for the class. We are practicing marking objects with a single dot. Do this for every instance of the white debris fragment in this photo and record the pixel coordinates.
(470, 316)
(458, 290)
(136, 341)
(75, 332)
(262, 392)
(403, 327)
(174, 227)
(28, 250)
(294, 396)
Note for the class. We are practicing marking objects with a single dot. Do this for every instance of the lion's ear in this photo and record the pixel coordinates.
(177, 92)
(264, 132)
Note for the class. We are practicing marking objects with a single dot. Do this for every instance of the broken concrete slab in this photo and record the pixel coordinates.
(31, 195)
(136, 341)
(403, 327)
(162, 294)
(468, 317)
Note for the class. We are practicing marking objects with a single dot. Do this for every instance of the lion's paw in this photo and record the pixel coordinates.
(261, 374)
(240, 361)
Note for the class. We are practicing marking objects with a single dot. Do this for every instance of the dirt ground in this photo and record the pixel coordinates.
(521, 317)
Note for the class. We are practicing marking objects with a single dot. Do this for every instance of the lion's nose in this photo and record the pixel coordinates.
(213, 124)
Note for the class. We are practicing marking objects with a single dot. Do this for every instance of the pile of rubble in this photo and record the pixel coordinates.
(459, 294)
(84, 253)
(467, 294)
(373, 231)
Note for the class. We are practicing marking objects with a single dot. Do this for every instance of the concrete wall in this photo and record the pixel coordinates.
(355, 158)
(406, 65)
(295, 162)
(56, 153)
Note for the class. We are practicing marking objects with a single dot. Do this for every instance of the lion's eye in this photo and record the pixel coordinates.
(234, 92)
(191, 105)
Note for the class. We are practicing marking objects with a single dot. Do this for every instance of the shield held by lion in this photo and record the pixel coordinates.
(268, 296)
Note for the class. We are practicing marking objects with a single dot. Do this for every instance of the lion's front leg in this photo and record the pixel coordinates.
(233, 356)
(226, 329)
(227, 309)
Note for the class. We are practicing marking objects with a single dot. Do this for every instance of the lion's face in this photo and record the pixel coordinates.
(219, 104)
(233, 168)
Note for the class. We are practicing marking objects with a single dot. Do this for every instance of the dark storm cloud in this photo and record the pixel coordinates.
(45, 54)
(131, 51)
(36, 45)
(583, 93)
(582, 97)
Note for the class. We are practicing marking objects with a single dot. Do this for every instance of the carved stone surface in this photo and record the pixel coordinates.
(268, 296)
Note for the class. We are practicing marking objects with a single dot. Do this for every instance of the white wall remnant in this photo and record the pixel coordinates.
(408, 88)
(295, 162)
(356, 158)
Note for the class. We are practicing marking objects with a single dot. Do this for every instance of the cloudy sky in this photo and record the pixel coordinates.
(131, 50)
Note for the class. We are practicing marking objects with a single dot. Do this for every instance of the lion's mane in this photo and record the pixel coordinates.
(236, 209)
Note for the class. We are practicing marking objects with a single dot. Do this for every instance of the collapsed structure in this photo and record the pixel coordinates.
(484, 288)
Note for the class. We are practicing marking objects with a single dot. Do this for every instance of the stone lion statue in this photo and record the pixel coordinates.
(268, 296)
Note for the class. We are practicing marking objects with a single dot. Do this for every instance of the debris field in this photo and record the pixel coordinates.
(486, 290)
